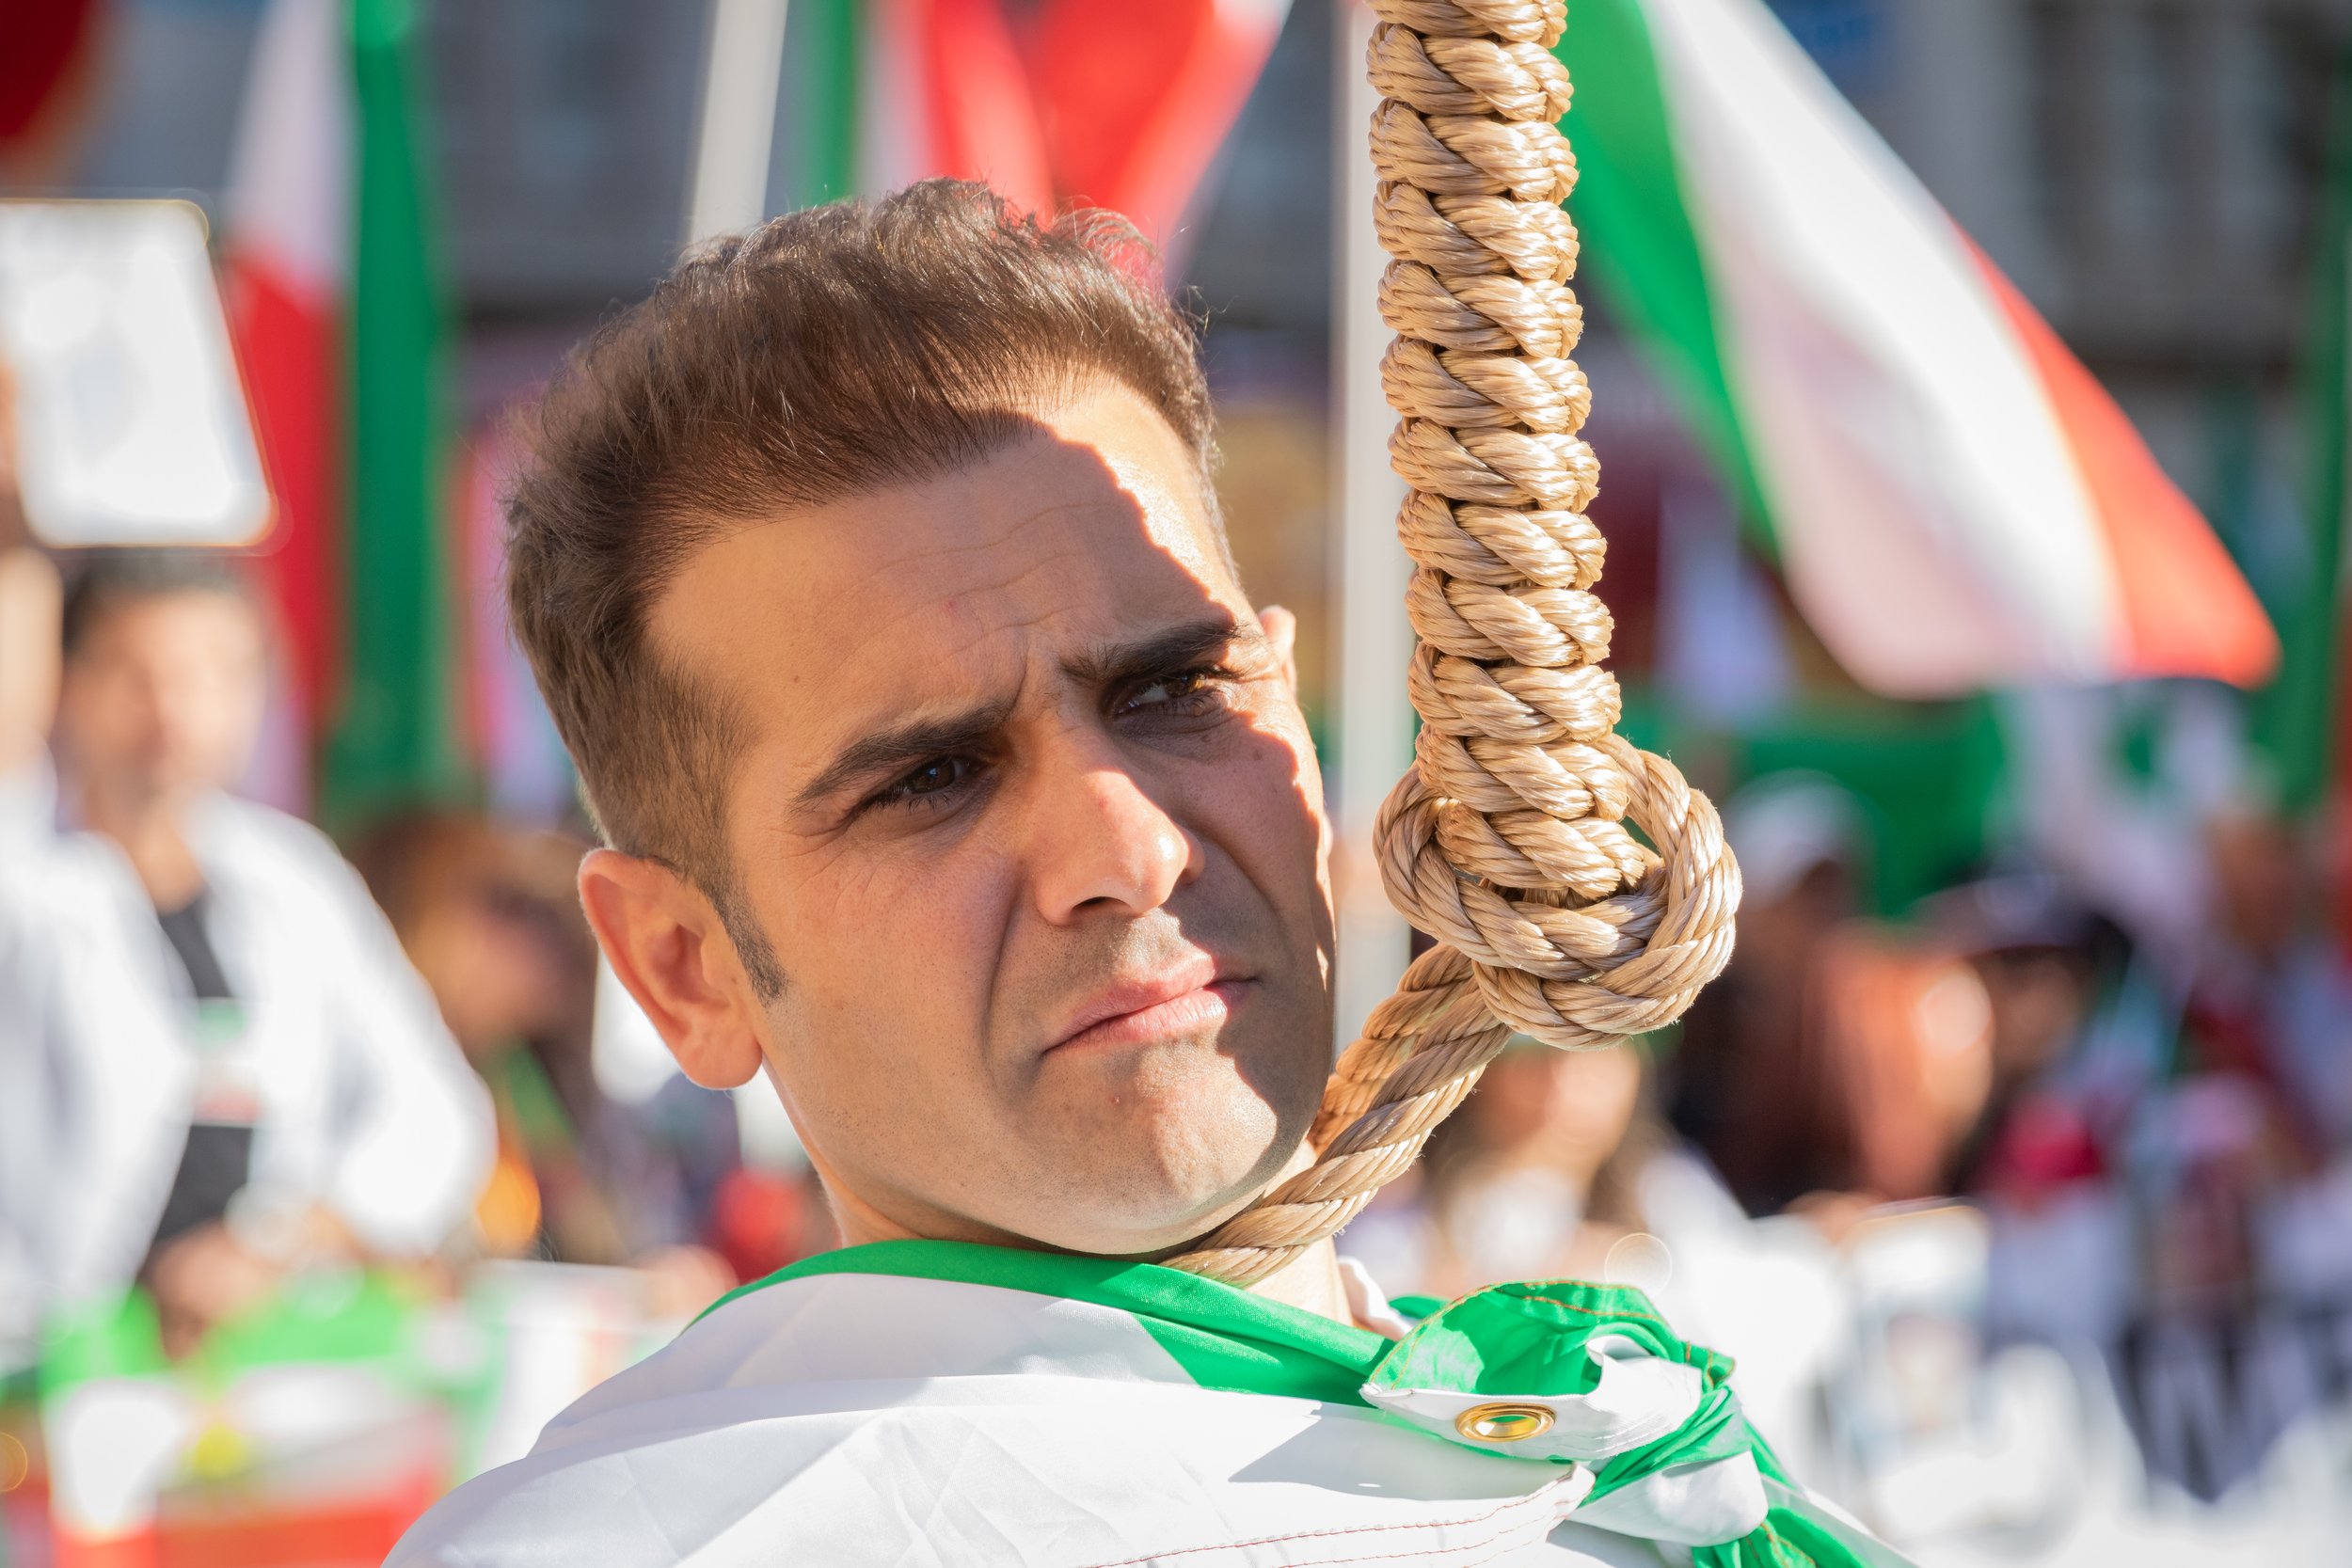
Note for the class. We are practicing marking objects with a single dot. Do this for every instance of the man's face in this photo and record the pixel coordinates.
(1031, 819)
(164, 696)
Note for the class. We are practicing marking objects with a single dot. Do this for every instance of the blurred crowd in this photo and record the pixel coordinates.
(393, 1065)
(2032, 1202)
(260, 1102)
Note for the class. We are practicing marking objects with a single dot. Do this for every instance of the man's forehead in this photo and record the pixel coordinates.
(950, 590)
(215, 617)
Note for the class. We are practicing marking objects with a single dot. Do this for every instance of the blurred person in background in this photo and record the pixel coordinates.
(1841, 1062)
(488, 915)
(1899, 1036)
(2049, 969)
(1540, 1172)
(2272, 1000)
(2235, 1152)
(215, 1066)
(1750, 1087)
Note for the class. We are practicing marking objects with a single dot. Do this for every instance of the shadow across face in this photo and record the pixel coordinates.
(1031, 821)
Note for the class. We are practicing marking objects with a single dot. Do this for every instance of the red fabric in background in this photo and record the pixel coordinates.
(39, 39)
(1102, 72)
(289, 354)
(984, 125)
(1135, 100)
(2185, 609)
(1091, 104)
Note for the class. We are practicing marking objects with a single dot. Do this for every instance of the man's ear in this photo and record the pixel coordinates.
(1282, 631)
(668, 948)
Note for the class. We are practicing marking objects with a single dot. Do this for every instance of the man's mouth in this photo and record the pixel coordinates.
(1189, 995)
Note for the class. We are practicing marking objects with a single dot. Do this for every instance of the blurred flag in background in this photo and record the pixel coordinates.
(335, 302)
(1955, 502)
(377, 565)
(1120, 106)
(2296, 722)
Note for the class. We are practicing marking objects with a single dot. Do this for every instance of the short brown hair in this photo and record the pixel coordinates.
(828, 353)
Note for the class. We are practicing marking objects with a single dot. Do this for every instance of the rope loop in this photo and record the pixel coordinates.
(1579, 891)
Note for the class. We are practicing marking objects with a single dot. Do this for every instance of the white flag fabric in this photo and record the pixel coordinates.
(930, 1403)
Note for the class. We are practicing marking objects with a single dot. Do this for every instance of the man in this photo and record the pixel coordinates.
(215, 1063)
(873, 575)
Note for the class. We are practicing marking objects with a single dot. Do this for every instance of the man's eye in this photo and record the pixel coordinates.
(1193, 692)
(936, 777)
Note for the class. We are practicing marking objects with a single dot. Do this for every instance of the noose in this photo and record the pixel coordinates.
(1506, 840)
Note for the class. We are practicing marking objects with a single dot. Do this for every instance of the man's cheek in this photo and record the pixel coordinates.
(1274, 804)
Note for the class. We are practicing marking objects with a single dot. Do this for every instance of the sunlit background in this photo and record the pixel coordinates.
(2013, 1157)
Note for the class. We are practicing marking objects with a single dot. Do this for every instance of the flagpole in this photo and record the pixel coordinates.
(1371, 723)
(736, 131)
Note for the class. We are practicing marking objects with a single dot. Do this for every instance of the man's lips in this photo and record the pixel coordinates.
(1187, 997)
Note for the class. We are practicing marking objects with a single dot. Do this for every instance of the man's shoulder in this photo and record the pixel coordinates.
(856, 1417)
(1028, 1469)
(275, 859)
(62, 887)
(234, 824)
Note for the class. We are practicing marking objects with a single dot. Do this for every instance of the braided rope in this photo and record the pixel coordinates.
(1507, 839)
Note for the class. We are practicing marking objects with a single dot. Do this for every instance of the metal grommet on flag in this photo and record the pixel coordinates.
(1503, 1423)
(1580, 891)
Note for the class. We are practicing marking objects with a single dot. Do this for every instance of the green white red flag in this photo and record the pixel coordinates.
(1954, 499)
(334, 303)
(922, 1402)
(341, 335)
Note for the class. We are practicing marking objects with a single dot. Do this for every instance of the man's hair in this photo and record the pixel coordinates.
(113, 580)
(828, 353)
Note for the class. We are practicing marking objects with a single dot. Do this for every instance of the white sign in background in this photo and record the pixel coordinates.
(132, 426)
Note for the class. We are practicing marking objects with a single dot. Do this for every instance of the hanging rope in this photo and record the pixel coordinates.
(1507, 838)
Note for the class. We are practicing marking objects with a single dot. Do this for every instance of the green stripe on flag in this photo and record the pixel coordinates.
(1633, 211)
(2293, 719)
(827, 47)
(1223, 1338)
(396, 739)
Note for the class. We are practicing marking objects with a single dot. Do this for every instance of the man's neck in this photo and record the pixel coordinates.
(147, 828)
(1310, 1281)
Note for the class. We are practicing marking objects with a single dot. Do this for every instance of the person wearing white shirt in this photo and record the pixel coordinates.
(214, 1061)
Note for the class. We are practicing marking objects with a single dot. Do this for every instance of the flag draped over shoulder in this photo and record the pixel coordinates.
(1954, 499)
(334, 298)
(934, 1401)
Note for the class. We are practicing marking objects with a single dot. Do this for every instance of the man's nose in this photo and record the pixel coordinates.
(1101, 843)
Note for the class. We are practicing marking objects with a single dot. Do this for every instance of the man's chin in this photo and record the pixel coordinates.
(1144, 1190)
(1141, 1148)
(1143, 1235)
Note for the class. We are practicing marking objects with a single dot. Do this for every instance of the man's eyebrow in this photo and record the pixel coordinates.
(904, 746)
(918, 740)
(1173, 648)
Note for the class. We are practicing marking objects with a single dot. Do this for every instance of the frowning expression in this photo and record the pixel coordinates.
(1031, 821)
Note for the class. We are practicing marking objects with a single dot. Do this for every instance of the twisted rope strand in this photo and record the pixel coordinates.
(1579, 889)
